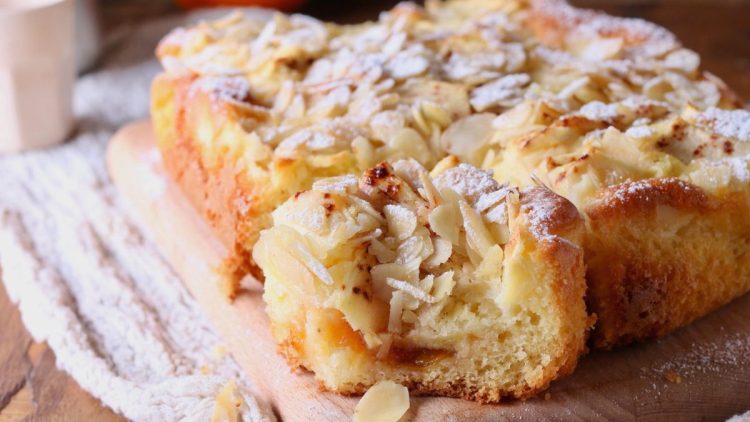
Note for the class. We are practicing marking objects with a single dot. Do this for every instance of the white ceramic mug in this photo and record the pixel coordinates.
(37, 72)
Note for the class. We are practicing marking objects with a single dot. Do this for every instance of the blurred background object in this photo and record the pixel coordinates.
(37, 72)
(88, 34)
(286, 5)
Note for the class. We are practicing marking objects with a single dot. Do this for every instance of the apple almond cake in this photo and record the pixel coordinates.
(453, 284)
(613, 114)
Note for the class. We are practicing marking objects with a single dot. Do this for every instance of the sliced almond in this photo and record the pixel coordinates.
(410, 250)
(411, 290)
(443, 285)
(385, 346)
(381, 252)
(312, 263)
(465, 138)
(436, 113)
(396, 308)
(442, 252)
(491, 267)
(409, 317)
(683, 59)
(339, 184)
(446, 222)
(385, 401)
(401, 221)
(408, 143)
(381, 272)
(477, 235)
(428, 191)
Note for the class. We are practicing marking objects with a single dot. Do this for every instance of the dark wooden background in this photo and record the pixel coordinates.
(31, 388)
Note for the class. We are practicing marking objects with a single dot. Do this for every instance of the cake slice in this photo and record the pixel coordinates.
(665, 195)
(653, 151)
(450, 284)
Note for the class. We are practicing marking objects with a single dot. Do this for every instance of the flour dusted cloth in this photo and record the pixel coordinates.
(85, 277)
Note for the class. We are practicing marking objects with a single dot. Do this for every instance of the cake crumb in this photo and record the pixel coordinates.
(219, 352)
(673, 377)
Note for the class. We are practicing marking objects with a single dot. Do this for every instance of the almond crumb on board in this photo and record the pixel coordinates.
(673, 377)
(219, 352)
(547, 396)
(385, 401)
(228, 407)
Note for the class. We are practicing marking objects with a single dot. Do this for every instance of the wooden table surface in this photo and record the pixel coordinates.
(32, 388)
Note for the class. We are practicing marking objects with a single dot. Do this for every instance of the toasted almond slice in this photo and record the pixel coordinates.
(409, 317)
(435, 113)
(366, 207)
(401, 220)
(443, 285)
(340, 184)
(444, 164)
(312, 263)
(385, 401)
(478, 236)
(428, 191)
(444, 220)
(491, 267)
(683, 59)
(410, 289)
(385, 346)
(381, 252)
(381, 272)
(427, 282)
(396, 309)
(466, 137)
(411, 249)
(442, 251)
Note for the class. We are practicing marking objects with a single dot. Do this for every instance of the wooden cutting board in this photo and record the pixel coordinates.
(701, 372)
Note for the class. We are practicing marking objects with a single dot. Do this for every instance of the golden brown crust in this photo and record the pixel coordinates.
(662, 253)
(217, 193)
(561, 217)
(564, 253)
(633, 198)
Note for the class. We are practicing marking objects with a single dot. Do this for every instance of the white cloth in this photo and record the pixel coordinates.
(86, 278)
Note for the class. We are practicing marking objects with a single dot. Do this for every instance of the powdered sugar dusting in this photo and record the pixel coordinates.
(339, 184)
(649, 39)
(597, 110)
(226, 88)
(709, 358)
(625, 191)
(468, 181)
(506, 91)
(639, 132)
(540, 212)
(733, 124)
